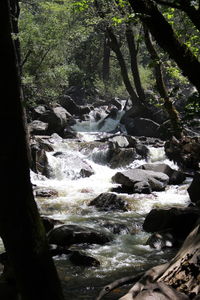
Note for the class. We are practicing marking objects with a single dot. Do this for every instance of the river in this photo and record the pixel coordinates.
(127, 253)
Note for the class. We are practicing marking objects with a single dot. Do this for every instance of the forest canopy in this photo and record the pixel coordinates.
(68, 43)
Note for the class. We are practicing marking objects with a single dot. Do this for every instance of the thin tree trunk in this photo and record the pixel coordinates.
(106, 62)
(134, 63)
(168, 104)
(20, 225)
(167, 39)
(114, 45)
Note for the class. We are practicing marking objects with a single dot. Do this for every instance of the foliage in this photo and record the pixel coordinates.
(62, 45)
(192, 107)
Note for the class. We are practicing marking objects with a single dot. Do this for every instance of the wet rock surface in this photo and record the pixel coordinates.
(175, 177)
(142, 181)
(67, 235)
(177, 221)
(109, 201)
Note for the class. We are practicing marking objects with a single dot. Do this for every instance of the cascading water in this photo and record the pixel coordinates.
(127, 253)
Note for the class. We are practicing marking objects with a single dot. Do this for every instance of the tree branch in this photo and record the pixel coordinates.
(26, 58)
(125, 280)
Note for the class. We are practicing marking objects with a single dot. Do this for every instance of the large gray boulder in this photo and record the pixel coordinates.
(56, 117)
(142, 181)
(175, 177)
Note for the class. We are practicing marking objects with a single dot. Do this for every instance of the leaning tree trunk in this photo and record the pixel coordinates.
(114, 45)
(20, 225)
(134, 62)
(168, 104)
(167, 39)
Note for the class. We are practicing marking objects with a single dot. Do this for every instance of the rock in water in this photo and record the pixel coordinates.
(142, 181)
(67, 235)
(109, 201)
(175, 177)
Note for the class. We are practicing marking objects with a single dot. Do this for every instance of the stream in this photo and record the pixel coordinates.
(128, 253)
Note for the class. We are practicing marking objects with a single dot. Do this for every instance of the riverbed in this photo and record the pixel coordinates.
(128, 252)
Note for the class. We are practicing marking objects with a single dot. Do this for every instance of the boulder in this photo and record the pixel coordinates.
(80, 259)
(141, 127)
(116, 102)
(141, 181)
(77, 258)
(39, 162)
(73, 166)
(121, 157)
(45, 192)
(142, 150)
(175, 177)
(194, 188)
(109, 201)
(38, 127)
(116, 228)
(177, 221)
(120, 140)
(68, 103)
(161, 240)
(56, 117)
(49, 223)
(67, 235)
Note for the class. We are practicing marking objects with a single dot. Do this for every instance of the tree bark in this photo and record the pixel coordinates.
(106, 61)
(20, 226)
(134, 62)
(167, 39)
(114, 45)
(161, 87)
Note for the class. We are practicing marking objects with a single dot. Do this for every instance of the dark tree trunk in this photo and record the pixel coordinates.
(20, 225)
(106, 61)
(114, 45)
(167, 39)
(168, 104)
(134, 63)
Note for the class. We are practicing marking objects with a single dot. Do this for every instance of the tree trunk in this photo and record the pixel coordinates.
(134, 63)
(167, 39)
(114, 45)
(106, 62)
(168, 104)
(20, 225)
